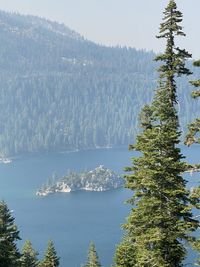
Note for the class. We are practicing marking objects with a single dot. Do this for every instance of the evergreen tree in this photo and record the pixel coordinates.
(194, 128)
(161, 218)
(93, 259)
(9, 254)
(29, 256)
(196, 246)
(50, 258)
(192, 137)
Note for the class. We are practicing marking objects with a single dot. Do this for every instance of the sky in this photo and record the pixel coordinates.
(131, 23)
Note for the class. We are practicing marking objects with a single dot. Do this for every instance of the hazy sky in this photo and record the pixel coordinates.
(115, 22)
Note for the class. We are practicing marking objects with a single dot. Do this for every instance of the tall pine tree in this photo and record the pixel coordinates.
(161, 218)
(93, 259)
(9, 235)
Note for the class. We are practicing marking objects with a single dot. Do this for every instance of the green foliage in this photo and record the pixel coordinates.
(50, 257)
(173, 58)
(161, 218)
(125, 255)
(197, 82)
(93, 260)
(191, 138)
(29, 256)
(9, 254)
(194, 127)
(196, 246)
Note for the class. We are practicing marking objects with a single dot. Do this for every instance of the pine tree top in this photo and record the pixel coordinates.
(29, 255)
(50, 257)
(9, 235)
(172, 18)
(174, 58)
(7, 224)
(93, 259)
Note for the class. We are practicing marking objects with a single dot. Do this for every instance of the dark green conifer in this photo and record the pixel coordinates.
(29, 256)
(197, 82)
(93, 259)
(194, 128)
(196, 246)
(191, 138)
(161, 218)
(9, 235)
(50, 257)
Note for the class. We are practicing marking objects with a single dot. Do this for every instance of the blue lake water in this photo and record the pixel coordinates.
(72, 220)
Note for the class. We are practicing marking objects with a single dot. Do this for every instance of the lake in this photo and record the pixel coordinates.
(72, 220)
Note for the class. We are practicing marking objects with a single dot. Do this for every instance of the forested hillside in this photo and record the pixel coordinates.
(59, 91)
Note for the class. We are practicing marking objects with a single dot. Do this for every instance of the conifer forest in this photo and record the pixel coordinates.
(60, 92)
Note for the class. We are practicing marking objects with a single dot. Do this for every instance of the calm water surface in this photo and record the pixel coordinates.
(71, 219)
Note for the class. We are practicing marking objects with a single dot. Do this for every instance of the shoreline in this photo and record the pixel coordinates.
(79, 190)
(59, 152)
(45, 153)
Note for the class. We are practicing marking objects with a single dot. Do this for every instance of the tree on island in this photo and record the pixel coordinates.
(9, 235)
(93, 259)
(161, 219)
(29, 255)
(50, 257)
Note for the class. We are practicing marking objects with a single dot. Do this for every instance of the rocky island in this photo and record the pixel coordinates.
(99, 179)
(5, 160)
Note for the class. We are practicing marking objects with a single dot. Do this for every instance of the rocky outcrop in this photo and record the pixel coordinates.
(99, 179)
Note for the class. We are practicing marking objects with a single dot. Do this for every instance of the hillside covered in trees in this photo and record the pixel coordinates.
(59, 91)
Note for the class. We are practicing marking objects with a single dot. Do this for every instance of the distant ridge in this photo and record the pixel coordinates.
(24, 22)
(59, 91)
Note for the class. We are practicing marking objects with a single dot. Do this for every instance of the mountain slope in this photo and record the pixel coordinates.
(59, 91)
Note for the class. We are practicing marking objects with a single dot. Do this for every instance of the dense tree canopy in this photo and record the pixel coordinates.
(57, 89)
